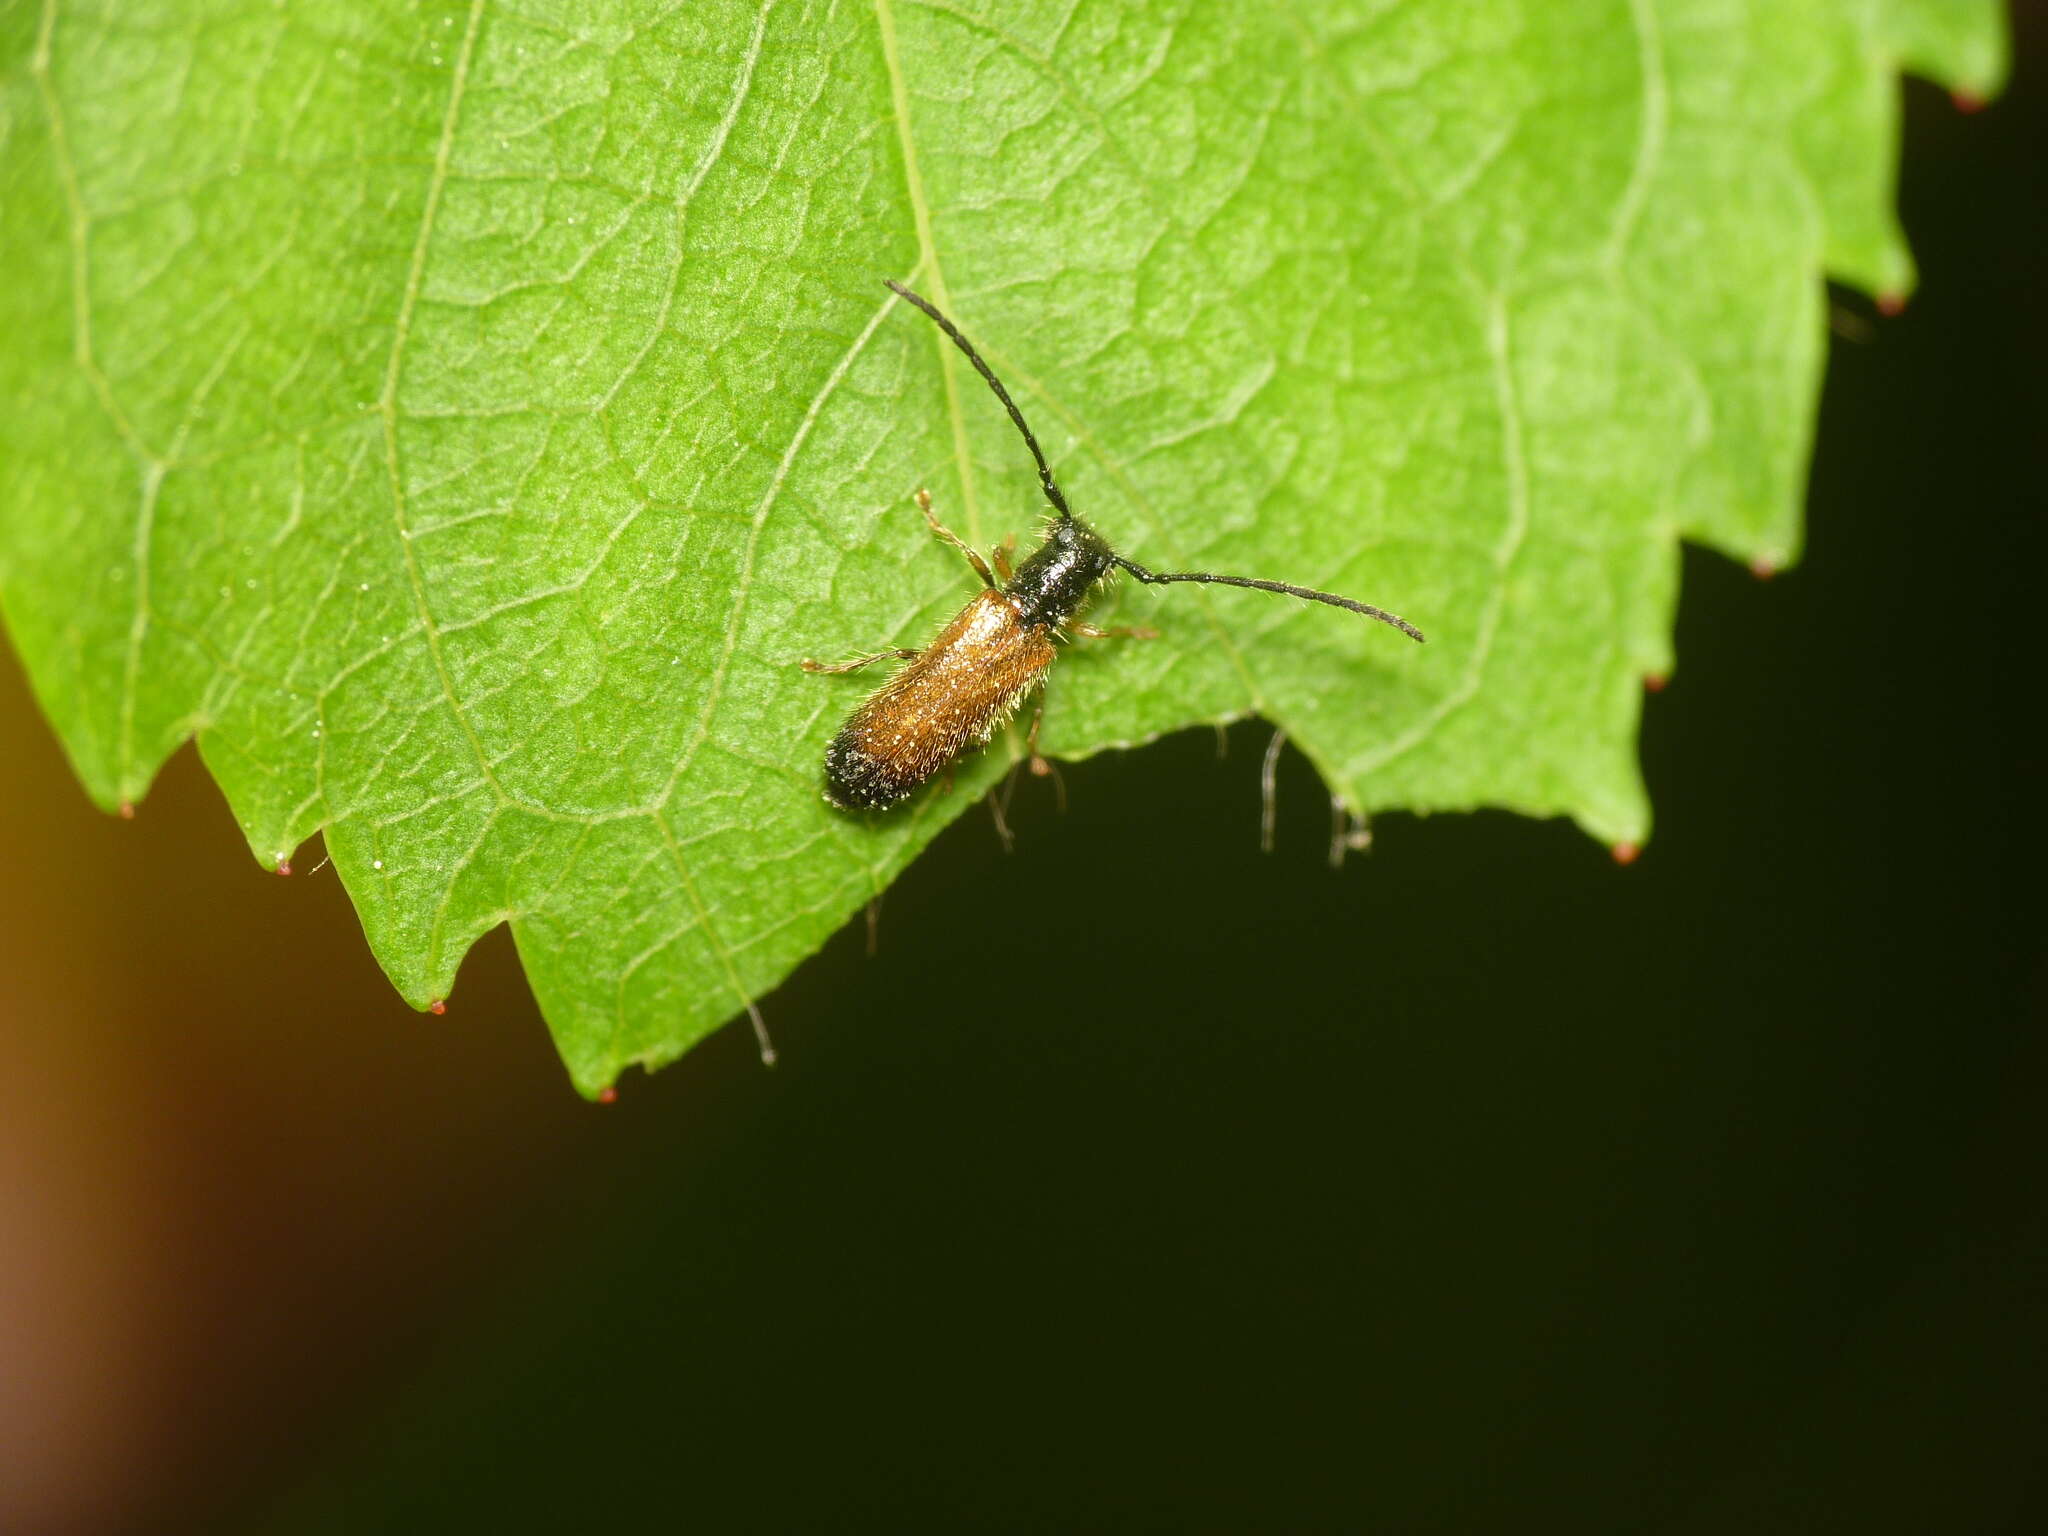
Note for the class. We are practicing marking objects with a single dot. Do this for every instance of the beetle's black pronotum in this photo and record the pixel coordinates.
(955, 692)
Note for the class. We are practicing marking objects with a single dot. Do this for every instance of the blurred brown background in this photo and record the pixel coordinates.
(1479, 1182)
(237, 1175)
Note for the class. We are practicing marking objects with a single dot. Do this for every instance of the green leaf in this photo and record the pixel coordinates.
(460, 419)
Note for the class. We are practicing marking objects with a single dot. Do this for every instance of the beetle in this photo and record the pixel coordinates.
(956, 692)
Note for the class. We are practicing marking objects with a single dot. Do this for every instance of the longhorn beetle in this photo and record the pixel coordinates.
(958, 690)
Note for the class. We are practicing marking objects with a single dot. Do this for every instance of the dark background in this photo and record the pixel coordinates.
(1141, 1179)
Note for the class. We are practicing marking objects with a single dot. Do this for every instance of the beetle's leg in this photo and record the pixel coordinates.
(856, 664)
(1090, 632)
(947, 535)
(1042, 766)
(1004, 551)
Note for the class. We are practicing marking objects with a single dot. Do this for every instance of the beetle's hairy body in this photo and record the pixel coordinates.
(953, 695)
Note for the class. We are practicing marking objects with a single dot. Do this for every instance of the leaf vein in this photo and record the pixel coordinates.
(387, 401)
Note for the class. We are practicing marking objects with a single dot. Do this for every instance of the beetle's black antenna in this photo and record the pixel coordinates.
(1156, 579)
(1058, 498)
(1052, 490)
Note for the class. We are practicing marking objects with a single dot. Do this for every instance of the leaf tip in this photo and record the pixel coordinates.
(125, 810)
(1891, 303)
(1654, 682)
(1626, 853)
(284, 865)
(1966, 101)
(609, 1094)
(1763, 567)
(438, 1006)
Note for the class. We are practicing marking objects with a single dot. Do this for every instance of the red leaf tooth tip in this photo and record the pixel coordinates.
(1891, 305)
(1967, 101)
(127, 810)
(608, 1096)
(1763, 568)
(1625, 854)
(437, 1006)
(1653, 682)
(284, 866)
